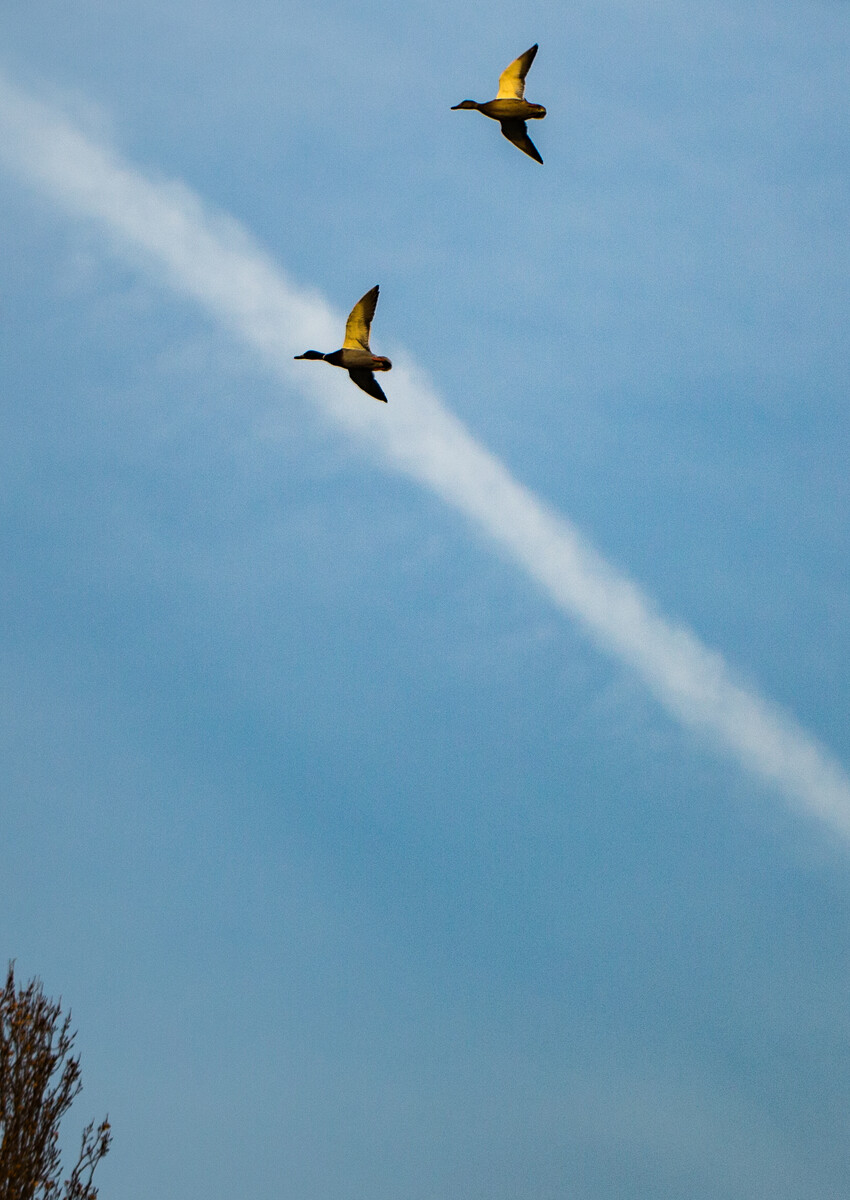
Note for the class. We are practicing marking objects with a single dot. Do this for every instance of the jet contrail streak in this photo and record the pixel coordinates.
(211, 259)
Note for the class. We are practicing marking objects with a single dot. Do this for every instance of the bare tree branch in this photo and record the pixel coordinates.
(39, 1080)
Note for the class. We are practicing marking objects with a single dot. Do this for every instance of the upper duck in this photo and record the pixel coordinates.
(355, 355)
(510, 108)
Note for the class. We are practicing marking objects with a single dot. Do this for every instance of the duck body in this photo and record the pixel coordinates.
(355, 355)
(510, 108)
(354, 360)
(506, 110)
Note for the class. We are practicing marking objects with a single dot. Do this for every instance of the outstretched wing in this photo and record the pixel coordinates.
(512, 79)
(517, 132)
(367, 381)
(359, 322)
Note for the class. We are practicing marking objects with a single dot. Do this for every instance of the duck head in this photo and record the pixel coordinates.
(465, 104)
(379, 363)
(310, 354)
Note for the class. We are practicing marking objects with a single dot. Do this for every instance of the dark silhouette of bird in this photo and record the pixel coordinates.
(355, 355)
(510, 108)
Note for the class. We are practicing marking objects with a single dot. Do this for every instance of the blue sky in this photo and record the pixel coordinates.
(363, 870)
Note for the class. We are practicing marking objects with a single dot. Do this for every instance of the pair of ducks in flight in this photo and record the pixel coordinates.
(511, 110)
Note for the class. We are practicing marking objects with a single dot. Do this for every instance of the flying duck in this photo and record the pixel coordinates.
(510, 108)
(355, 355)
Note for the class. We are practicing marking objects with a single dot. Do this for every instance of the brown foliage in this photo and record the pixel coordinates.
(39, 1079)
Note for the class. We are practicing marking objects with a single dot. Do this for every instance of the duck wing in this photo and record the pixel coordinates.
(512, 79)
(367, 381)
(517, 132)
(360, 321)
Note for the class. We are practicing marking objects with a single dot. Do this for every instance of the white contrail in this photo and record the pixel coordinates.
(213, 260)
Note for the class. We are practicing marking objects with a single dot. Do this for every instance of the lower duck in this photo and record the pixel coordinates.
(355, 355)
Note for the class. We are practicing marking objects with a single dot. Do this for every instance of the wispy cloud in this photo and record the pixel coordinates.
(212, 259)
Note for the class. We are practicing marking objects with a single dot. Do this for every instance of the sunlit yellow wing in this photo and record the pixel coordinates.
(512, 79)
(360, 321)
